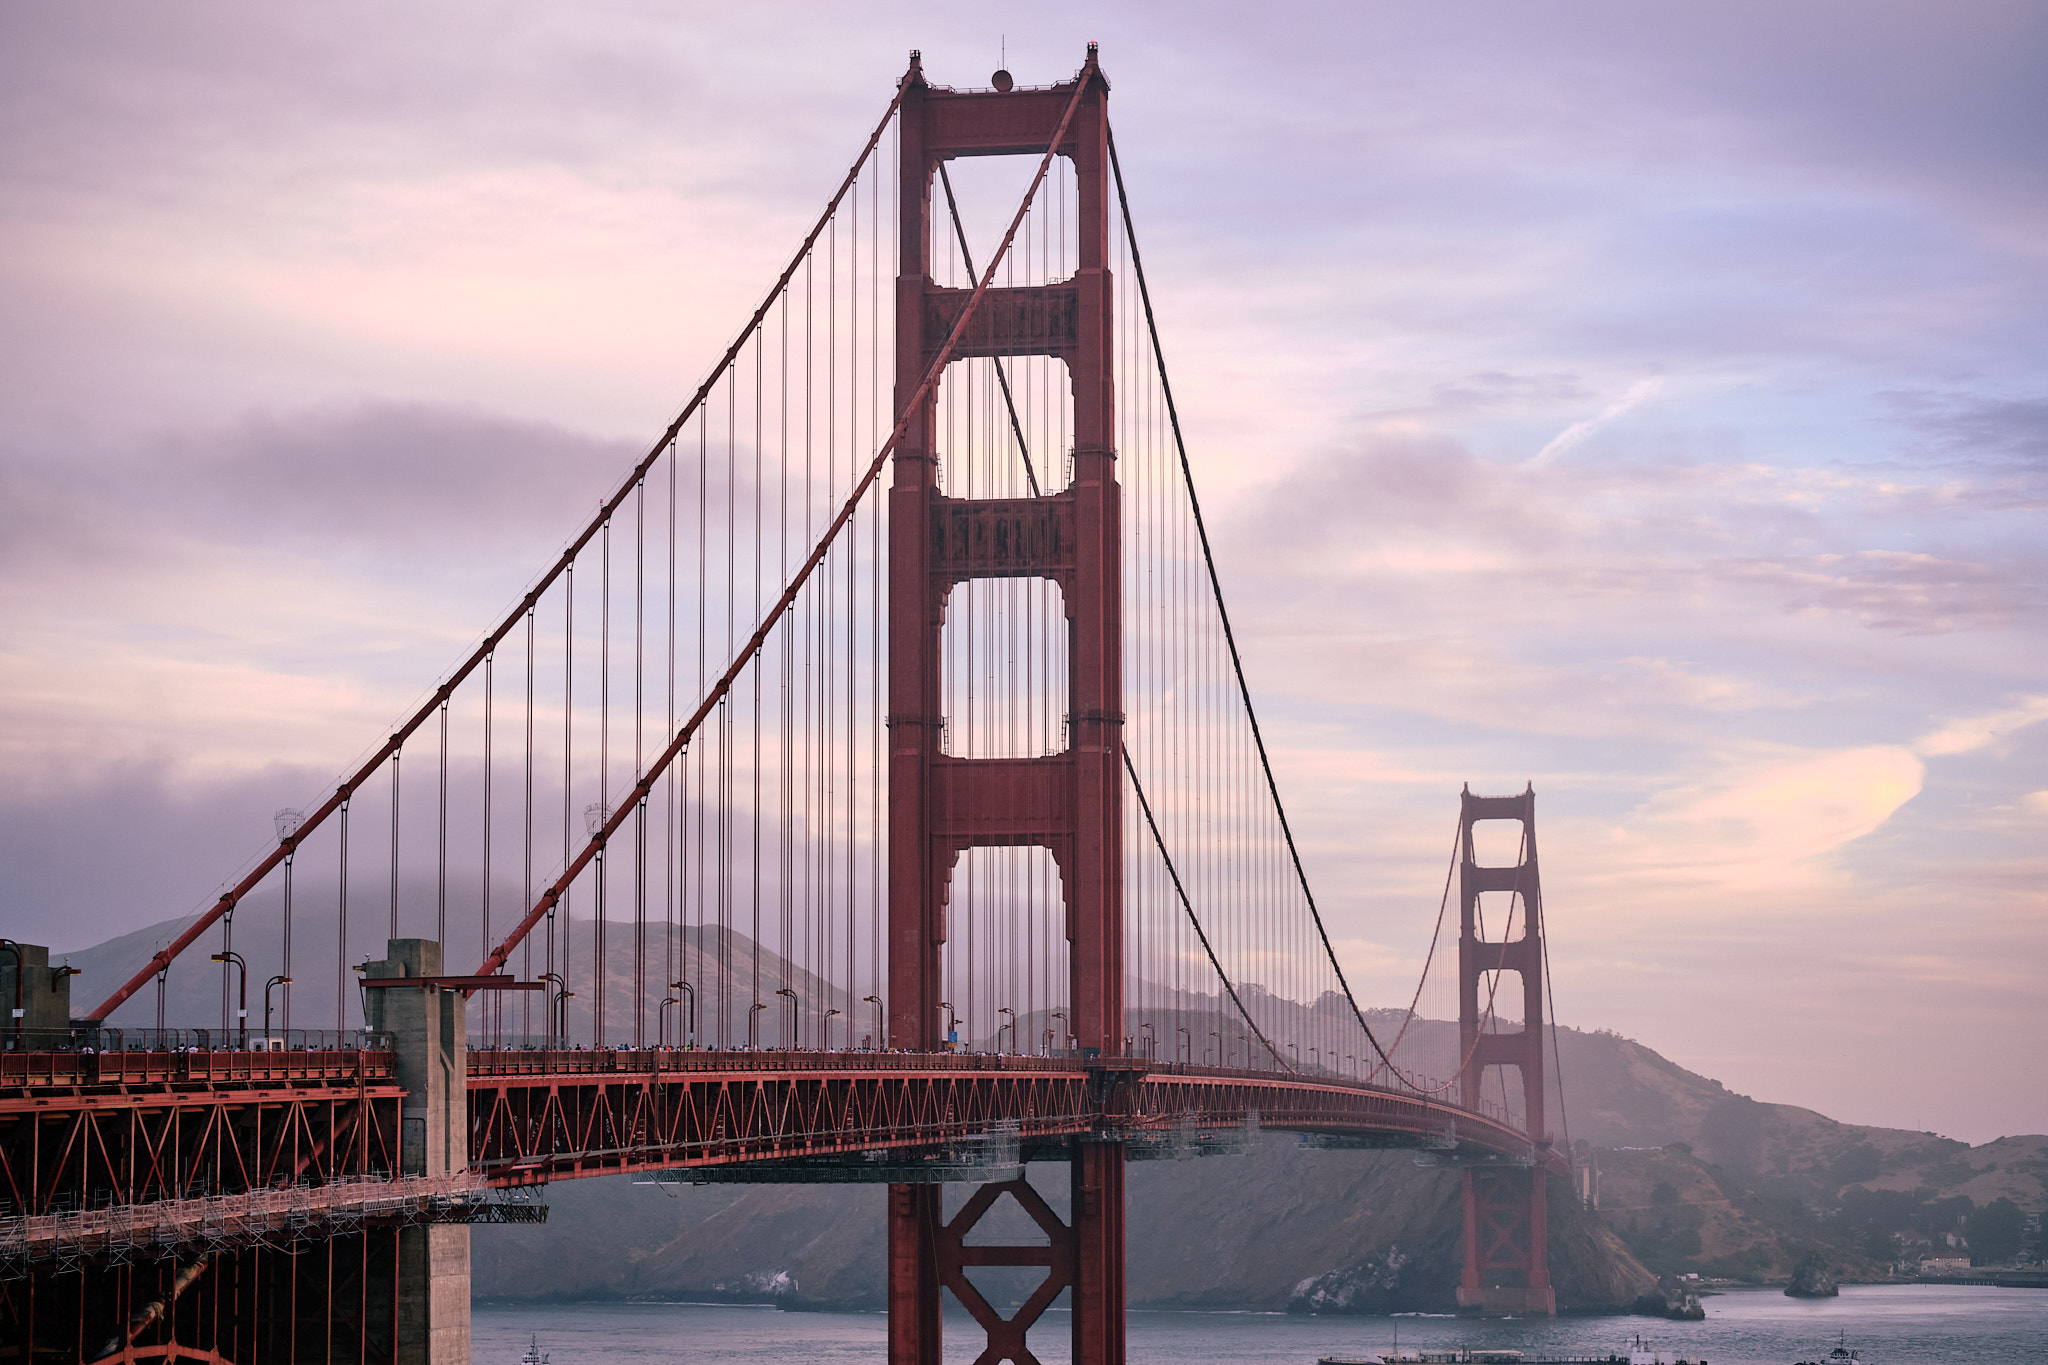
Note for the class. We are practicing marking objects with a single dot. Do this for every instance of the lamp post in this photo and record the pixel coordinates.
(828, 1029)
(1247, 1051)
(556, 1014)
(1011, 1026)
(1151, 1039)
(279, 980)
(1219, 1045)
(236, 961)
(661, 1020)
(690, 1033)
(1059, 1014)
(952, 1025)
(789, 1038)
(1295, 1048)
(1315, 1057)
(1188, 1041)
(753, 1015)
(1351, 1066)
(881, 1037)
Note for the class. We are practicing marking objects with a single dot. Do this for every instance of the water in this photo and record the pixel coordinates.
(1893, 1325)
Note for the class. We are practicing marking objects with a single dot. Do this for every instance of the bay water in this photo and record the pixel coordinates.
(1889, 1324)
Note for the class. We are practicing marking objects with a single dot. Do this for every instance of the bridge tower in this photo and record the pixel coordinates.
(1507, 1267)
(1070, 802)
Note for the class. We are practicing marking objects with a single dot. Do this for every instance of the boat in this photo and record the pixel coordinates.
(1456, 1355)
(1842, 1354)
(1639, 1352)
(534, 1355)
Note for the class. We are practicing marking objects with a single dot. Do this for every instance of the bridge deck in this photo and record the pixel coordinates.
(83, 1130)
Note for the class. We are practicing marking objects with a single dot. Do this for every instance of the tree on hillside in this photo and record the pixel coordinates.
(1995, 1232)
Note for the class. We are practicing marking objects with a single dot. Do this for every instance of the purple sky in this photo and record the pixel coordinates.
(1642, 401)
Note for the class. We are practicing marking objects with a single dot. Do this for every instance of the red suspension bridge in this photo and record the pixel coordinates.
(806, 830)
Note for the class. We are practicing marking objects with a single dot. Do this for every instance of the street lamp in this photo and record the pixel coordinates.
(1247, 1051)
(753, 1014)
(952, 1025)
(881, 1040)
(690, 1037)
(1151, 1039)
(242, 1011)
(1219, 1045)
(1059, 1014)
(1190, 1044)
(828, 1029)
(789, 1038)
(558, 1013)
(279, 980)
(1011, 1026)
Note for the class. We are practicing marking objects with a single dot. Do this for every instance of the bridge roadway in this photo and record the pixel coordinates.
(84, 1131)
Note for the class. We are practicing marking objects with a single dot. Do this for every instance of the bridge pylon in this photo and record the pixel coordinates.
(941, 805)
(1507, 1265)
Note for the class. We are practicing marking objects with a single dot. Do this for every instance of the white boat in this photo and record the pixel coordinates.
(1454, 1355)
(534, 1355)
(1639, 1352)
(1842, 1354)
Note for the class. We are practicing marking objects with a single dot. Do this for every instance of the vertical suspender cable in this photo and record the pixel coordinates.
(394, 842)
(1223, 615)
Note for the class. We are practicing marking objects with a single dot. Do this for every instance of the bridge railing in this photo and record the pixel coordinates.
(100, 1038)
(193, 1064)
(587, 1061)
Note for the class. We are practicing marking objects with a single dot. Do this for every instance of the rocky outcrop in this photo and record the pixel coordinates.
(1811, 1278)
(1670, 1299)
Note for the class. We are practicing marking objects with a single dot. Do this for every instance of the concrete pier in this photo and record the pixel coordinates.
(427, 1027)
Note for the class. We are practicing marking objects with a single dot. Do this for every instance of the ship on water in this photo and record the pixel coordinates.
(1639, 1352)
(1842, 1354)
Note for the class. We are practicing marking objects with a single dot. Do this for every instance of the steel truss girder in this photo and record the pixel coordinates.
(114, 1133)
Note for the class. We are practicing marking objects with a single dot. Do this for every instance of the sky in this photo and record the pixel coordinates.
(1640, 401)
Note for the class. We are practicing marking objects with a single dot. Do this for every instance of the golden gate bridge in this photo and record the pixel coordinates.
(920, 828)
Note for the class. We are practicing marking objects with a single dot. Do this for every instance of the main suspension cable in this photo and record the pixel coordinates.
(1138, 790)
(744, 656)
(439, 698)
(1216, 589)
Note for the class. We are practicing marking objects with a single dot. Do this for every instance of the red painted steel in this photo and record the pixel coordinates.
(1006, 1336)
(79, 1131)
(1070, 803)
(1506, 1255)
(139, 1126)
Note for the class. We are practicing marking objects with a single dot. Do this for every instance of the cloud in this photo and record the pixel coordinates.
(397, 282)
(1639, 393)
(1767, 825)
(1979, 732)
